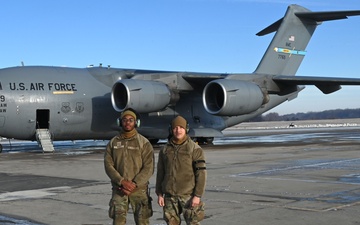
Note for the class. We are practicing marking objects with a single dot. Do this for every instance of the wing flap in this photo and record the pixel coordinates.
(326, 84)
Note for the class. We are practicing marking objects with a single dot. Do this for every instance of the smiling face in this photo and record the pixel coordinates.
(178, 133)
(128, 123)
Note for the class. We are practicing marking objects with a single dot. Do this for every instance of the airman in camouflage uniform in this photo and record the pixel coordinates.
(129, 163)
(181, 177)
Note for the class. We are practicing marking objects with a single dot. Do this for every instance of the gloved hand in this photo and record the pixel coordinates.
(127, 186)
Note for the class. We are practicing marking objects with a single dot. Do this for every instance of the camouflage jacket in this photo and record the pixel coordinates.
(181, 170)
(130, 159)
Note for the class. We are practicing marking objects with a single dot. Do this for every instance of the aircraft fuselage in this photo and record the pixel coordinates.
(67, 101)
(75, 104)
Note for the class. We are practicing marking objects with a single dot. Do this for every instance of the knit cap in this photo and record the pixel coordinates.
(128, 112)
(179, 121)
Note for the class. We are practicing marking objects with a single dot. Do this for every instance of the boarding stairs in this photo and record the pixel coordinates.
(43, 137)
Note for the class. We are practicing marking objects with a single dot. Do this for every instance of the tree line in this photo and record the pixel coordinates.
(323, 115)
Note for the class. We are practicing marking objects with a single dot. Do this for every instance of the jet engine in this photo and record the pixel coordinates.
(232, 97)
(143, 96)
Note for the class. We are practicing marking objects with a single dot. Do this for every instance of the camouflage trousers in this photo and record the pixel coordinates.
(174, 206)
(140, 204)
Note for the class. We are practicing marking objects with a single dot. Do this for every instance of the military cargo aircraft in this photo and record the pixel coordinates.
(46, 104)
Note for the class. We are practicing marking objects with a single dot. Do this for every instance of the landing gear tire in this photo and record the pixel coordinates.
(203, 140)
(154, 141)
(1, 147)
(209, 140)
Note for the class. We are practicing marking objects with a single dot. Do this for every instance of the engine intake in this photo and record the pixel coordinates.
(143, 96)
(232, 97)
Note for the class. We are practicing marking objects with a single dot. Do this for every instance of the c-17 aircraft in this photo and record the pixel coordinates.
(46, 104)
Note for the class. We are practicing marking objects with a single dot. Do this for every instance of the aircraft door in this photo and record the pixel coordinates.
(42, 118)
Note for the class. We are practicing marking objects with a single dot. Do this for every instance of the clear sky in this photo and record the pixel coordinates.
(183, 35)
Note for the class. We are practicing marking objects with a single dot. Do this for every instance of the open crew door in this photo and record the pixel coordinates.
(42, 118)
(43, 135)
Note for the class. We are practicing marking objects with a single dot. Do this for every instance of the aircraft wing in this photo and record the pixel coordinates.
(326, 84)
(202, 79)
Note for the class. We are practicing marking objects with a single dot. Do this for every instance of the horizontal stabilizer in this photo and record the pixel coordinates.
(326, 16)
(315, 16)
(272, 28)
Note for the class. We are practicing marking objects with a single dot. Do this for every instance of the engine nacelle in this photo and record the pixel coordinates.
(141, 95)
(232, 97)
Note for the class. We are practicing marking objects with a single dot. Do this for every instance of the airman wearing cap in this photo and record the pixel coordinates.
(181, 176)
(128, 122)
(129, 163)
(179, 129)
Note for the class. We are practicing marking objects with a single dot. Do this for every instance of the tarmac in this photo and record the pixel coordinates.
(265, 176)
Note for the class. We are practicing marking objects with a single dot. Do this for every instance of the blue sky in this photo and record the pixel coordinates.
(183, 35)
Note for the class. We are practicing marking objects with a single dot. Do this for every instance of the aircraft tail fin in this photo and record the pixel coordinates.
(293, 32)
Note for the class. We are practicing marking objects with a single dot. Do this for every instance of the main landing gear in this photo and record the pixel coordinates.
(203, 140)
